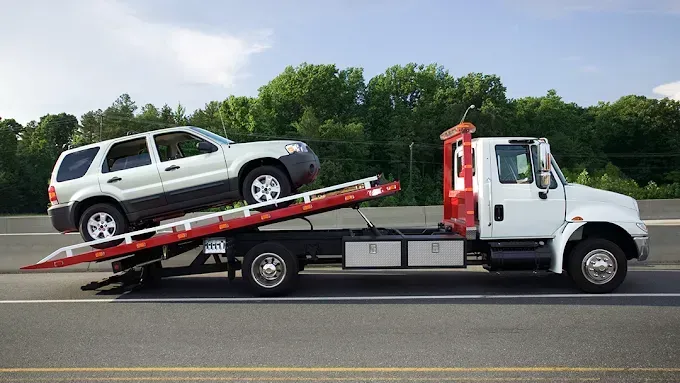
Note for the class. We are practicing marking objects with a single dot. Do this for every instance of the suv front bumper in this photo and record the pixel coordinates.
(642, 244)
(303, 167)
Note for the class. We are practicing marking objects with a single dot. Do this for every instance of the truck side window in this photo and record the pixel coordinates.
(459, 164)
(514, 164)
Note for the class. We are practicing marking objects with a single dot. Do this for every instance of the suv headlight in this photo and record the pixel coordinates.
(297, 147)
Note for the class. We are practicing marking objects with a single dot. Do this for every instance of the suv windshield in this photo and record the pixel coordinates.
(212, 135)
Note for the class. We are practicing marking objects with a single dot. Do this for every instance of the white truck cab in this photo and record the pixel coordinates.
(519, 198)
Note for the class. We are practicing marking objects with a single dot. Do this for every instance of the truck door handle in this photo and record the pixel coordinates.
(170, 168)
(498, 212)
(114, 179)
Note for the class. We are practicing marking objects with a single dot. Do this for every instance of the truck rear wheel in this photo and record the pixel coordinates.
(270, 269)
(597, 265)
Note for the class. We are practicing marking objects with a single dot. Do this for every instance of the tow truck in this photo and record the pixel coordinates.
(506, 206)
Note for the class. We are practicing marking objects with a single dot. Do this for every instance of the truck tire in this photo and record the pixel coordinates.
(277, 186)
(110, 221)
(270, 269)
(597, 265)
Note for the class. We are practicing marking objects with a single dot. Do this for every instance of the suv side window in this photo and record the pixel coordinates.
(514, 164)
(75, 165)
(173, 146)
(127, 155)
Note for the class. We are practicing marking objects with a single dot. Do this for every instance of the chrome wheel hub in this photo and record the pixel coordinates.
(265, 188)
(599, 266)
(101, 225)
(268, 270)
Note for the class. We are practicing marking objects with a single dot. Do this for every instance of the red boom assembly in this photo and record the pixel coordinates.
(459, 205)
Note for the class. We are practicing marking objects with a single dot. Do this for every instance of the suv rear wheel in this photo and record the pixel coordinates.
(100, 221)
(266, 183)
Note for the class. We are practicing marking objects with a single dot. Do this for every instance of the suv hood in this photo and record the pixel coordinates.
(582, 193)
(277, 147)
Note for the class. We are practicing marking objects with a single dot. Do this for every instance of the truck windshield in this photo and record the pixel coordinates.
(214, 136)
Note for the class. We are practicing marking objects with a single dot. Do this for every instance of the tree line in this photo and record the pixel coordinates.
(389, 124)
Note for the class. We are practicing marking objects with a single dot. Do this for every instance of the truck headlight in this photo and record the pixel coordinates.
(297, 147)
(642, 226)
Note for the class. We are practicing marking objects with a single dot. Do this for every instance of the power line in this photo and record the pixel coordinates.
(593, 157)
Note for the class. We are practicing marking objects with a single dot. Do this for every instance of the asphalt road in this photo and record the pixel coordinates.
(432, 326)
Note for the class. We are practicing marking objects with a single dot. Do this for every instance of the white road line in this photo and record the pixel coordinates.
(350, 298)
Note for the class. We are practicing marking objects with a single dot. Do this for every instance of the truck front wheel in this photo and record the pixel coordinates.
(270, 269)
(597, 265)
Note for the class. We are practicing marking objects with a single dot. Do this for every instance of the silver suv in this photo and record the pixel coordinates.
(134, 182)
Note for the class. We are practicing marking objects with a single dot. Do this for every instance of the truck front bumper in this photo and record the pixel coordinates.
(642, 244)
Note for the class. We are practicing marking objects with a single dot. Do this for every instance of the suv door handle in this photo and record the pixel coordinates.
(114, 179)
(173, 167)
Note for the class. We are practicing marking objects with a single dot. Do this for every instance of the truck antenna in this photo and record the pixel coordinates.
(466, 112)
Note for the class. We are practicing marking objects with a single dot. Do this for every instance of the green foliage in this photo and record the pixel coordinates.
(361, 128)
(613, 180)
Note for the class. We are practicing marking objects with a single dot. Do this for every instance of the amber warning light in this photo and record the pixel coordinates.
(463, 127)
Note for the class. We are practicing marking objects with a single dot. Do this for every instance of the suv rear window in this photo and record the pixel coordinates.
(75, 164)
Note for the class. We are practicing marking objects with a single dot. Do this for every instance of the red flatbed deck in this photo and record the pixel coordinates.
(327, 201)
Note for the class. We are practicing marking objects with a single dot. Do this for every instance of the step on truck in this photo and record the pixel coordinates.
(506, 206)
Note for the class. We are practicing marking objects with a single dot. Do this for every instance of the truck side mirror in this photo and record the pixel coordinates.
(544, 167)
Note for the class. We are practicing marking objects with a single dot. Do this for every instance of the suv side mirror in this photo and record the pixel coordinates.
(544, 167)
(205, 147)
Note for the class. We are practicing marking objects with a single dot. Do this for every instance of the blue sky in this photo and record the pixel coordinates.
(164, 50)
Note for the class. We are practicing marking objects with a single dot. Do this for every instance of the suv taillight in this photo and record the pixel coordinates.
(52, 192)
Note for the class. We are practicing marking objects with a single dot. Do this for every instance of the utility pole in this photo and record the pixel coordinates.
(410, 167)
(100, 126)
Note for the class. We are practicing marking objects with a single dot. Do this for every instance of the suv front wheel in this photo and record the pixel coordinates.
(101, 221)
(266, 183)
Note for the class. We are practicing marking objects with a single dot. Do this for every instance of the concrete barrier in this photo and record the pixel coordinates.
(396, 216)
(27, 239)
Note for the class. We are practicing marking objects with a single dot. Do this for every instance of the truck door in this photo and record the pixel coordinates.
(517, 209)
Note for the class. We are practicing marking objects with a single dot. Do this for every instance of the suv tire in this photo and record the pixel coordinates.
(275, 179)
(114, 223)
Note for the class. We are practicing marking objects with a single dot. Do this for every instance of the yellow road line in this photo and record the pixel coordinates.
(340, 369)
(299, 378)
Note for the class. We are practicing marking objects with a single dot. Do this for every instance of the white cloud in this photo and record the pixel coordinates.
(670, 90)
(79, 55)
